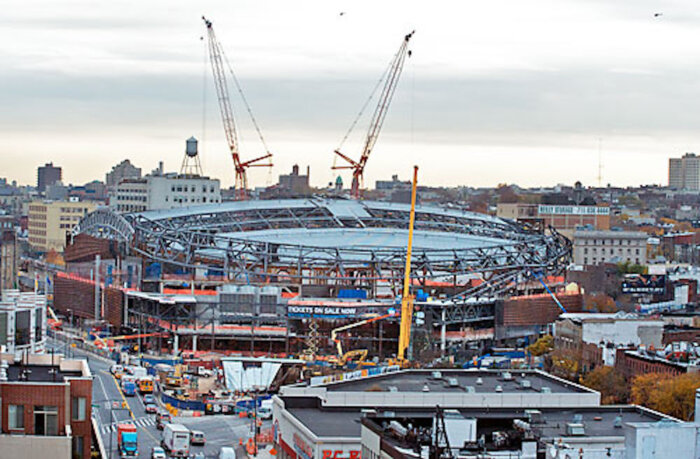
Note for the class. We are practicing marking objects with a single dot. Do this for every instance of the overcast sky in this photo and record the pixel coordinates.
(495, 91)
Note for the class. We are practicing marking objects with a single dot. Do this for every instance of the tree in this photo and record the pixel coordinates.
(600, 302)
(672, 395)
(565, 363)
(609, 382)
(542, 346)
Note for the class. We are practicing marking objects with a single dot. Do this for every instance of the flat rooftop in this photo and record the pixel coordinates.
(40, 373)
(346, 422)
(483, 381)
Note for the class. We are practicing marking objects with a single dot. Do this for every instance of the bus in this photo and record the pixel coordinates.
(146, 384)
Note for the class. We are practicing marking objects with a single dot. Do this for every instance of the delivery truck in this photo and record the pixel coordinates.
(176, 440)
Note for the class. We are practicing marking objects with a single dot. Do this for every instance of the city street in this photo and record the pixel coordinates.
(219, 430)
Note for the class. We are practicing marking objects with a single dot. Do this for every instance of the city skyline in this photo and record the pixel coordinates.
(486, 86)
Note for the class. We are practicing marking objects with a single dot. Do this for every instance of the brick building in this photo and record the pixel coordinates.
(45, 407)
(632, 363)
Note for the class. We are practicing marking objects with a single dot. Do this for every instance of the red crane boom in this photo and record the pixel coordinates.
(392, 79)
(216, 56)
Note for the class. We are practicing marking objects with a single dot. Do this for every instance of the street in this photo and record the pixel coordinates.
(219, 430)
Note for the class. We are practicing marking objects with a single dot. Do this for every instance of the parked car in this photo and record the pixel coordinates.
(151, 408)
(149, 398)
(158, 453)
(197, 438)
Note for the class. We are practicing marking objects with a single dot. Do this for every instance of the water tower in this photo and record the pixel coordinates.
(190, 163)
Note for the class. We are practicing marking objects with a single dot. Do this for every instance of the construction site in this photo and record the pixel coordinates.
(336, 280)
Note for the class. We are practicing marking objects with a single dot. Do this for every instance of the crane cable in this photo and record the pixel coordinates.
(364, 107)
(245, 101)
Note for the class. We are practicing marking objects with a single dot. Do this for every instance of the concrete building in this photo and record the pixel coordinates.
(45, 407)
(156, 192)
(123, 170)
(385, 413)
(22, 321)
(294, 184)
(50, 221)
(595, 247)
(9, 258)
(47, 175)
(684, 173)
(565, 218)
(598, 335)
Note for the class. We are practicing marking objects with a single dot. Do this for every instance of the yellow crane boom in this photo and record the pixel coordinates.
(407, 298)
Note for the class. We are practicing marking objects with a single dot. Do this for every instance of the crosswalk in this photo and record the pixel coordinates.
(140, 422)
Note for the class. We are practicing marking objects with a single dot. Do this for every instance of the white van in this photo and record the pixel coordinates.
(227, 453)
(265, 410)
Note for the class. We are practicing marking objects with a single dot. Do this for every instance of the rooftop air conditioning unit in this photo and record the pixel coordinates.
(546, 390)
(507, 376)
(436, 375)
(393, 389)
(452, 382)
(617, 423)
(499, 389)
(525, 384)
(534, 416)
(574, 429)
(479, 381)
(469, 389)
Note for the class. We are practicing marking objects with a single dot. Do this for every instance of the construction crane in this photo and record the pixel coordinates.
(390, 82)
(407, 298)
(335, 331)
(217, 57)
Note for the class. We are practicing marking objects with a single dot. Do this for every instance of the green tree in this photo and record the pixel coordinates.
(672, 395)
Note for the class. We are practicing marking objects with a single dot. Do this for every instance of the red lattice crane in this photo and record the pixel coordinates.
(217, 57)
(390, 82)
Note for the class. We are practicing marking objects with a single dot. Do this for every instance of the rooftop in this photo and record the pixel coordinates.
(346, 422)
(40, 373)
(483, 381)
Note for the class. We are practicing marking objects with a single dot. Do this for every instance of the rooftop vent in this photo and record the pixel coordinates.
(617, 423)
(578, 418)
(393, 389)
(426, 388)
(469, 389)
(546, 390)
(499, 389)
(452, 382)
(525, 384)
(574, 429)
(534, 416)
(507, 376)
(479, 381)
(436, 375)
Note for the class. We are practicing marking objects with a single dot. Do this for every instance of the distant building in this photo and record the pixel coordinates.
(167, 191)
(22, 321)
(595, 247)
(47, 175)
(684, 173)
(9, 257)
(562, 217)
(50, 221)
(393, 184)
(294, 184)
(45, 406)
(123, 170)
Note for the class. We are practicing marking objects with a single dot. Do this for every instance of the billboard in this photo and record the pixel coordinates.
(647, 284)
(572, 210)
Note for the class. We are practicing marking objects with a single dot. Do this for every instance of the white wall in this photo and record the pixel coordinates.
(624, 331)
(661, 441)
(35, 447)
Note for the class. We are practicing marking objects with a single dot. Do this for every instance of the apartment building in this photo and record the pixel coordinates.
(156, 192)
(596, 247)
(684, 173)
(50, 221)
(45, 403)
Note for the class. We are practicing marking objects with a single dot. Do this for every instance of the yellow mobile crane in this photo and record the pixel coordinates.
(407, 298)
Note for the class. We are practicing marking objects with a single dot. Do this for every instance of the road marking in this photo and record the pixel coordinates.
(104, 391)
(123, 397)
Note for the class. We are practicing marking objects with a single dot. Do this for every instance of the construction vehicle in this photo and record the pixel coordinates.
(127, 440)
(342, 359)
(217, 57)
(390, 82)
(407, 297)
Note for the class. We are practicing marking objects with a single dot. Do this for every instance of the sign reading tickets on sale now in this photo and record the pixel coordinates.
(340, 454)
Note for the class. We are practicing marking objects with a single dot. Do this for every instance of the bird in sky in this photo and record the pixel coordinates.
(342, 13)
(656, 15)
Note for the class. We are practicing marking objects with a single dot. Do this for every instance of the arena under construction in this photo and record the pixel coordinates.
(282, 274)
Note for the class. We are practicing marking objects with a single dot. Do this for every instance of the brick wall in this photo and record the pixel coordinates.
(79, 296)
(536, 309)
(31, 395)
(632, 365)
(82, 388)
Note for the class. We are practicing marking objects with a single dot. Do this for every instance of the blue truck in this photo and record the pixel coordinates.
(127, 440)
(129, 387)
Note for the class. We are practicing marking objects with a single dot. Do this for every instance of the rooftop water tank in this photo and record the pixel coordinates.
(191, 148)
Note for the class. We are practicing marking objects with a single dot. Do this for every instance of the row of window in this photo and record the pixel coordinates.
(612, 241)
(74, 210)
(612, 251)
(121, 197)
(37, 232)
(67, 225)
(193, 200)
(602, 260)
(192, 189)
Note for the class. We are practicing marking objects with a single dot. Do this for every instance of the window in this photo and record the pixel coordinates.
(78, 408)
(46, 420)
(78, 447)
(15, 415)
(585, 250)
(585, 261)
